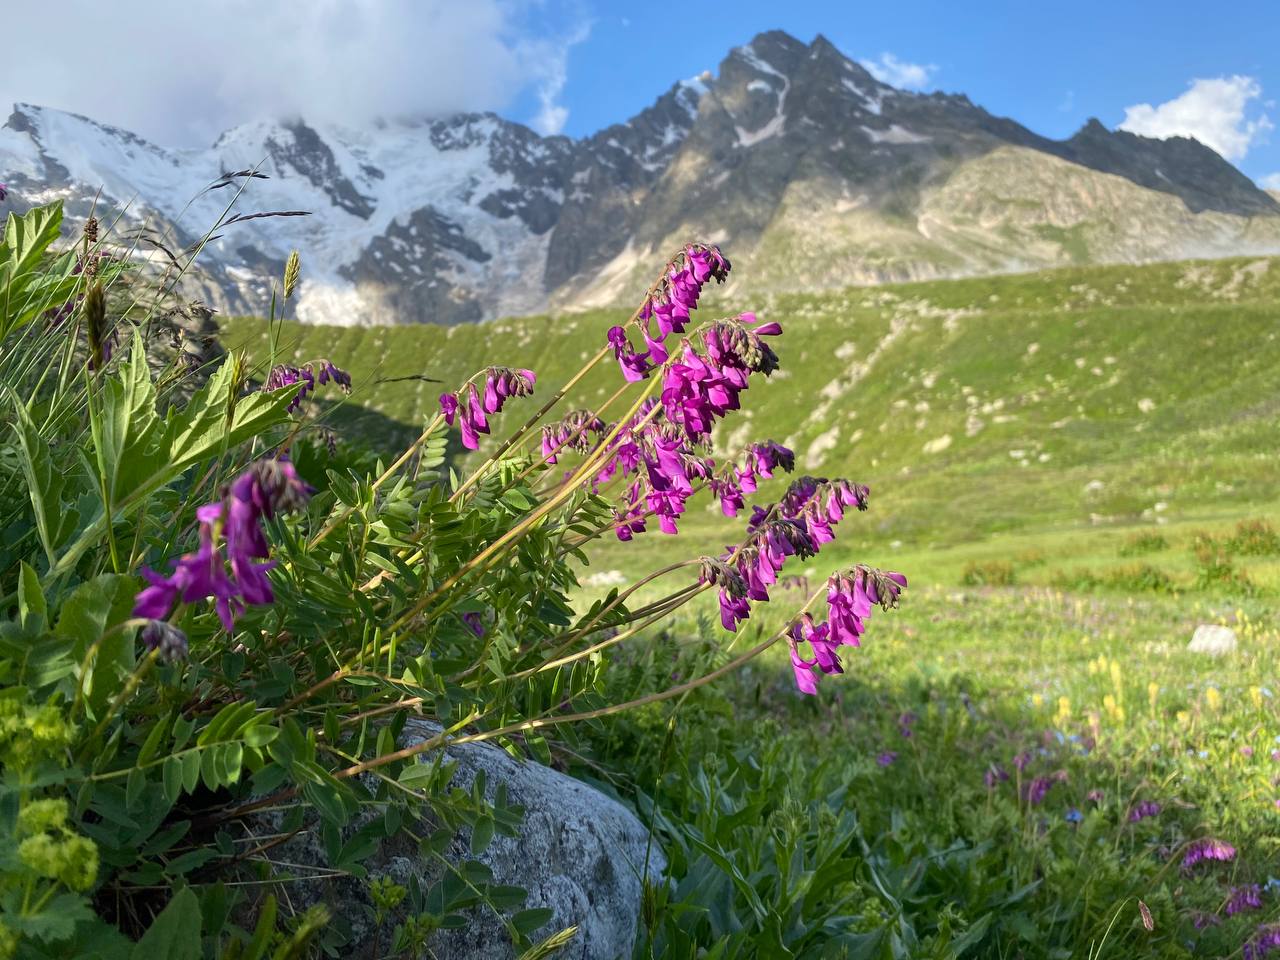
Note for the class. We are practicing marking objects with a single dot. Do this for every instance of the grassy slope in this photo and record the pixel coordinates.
(1064, 401)
(986, 670)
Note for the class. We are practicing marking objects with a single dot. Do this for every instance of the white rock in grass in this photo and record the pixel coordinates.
(1213, 639)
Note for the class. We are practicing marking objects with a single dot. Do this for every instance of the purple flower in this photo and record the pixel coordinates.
(1095, 796)
(579, 431)
(993, 775)
(1142, 810)
(1035, 791)
(449, 407)
(806, 680)
(307, 377)
(1021, 760)
(1207, 849)
(1266, 940)
(1246, 752)
(805, 630)
(674, 298)
(851, 596)
(699, 389)
(886, 758)
(475, 622)
(230, 535)
(471, 408)
(635, 366)
(4, 192)
(1244, 898)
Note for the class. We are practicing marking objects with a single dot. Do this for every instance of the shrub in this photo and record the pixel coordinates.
(1139, 544)
(208, 610)
(988, 573)
(1216, 569)
(1255, 538)
(1139, 578)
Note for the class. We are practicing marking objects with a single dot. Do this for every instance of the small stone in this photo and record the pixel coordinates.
(1213, 639)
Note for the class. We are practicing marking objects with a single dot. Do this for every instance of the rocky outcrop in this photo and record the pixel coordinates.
(577, 853)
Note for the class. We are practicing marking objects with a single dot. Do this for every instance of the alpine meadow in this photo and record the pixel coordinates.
(815, 517)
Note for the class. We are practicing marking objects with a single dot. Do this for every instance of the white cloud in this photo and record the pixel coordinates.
(1270, 182)
(552, 114)
(1211, 110)
(898, 73)
(185, 71)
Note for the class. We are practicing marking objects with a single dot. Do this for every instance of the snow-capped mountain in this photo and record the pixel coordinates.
(811, 171)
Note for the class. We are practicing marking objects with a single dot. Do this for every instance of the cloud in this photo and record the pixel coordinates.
(898, 73)
(1211, 110)
(551, 115)
(1270, 182)
(182, 72)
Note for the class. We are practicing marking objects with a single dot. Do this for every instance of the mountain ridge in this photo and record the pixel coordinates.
(814, 172)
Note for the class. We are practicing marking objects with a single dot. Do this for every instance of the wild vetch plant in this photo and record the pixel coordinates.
(212, 614)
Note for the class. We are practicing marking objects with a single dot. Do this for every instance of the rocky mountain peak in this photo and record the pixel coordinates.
(812, 170)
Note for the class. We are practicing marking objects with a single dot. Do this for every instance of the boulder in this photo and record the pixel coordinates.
(578, 853)
(1213, 639)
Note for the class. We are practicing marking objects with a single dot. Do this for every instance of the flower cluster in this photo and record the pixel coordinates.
(1265, 941)
(668, 308)
(759, 462)
(224, 567)
(1207, 849)
(664, 468)
(579, 431)
(307, 376)
(1142, 810)
(850, 598)
(471, 407)
(1248, 897)
(698, 390)
(818, 504)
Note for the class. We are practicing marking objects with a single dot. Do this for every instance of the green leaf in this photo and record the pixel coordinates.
(172, 779)
(32, 610)
(527, 921)
(56, 921)
(94, 606)
(125, 429)
(44, 482)
(257, 947)
(481, 835)
(175, 933)
(28, 236)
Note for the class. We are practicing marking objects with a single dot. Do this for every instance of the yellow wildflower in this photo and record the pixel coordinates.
(1153, 691)
(1064, 711)
(1213, 698)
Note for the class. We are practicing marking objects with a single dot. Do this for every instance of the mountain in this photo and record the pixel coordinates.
(811, 172)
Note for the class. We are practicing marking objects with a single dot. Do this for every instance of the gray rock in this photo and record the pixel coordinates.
(1213, 639)
(578, 853)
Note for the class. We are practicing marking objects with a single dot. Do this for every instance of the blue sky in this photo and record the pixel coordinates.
(579, 65)
(1049, 65)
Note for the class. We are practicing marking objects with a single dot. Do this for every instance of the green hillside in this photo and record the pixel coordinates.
(1074, 399)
